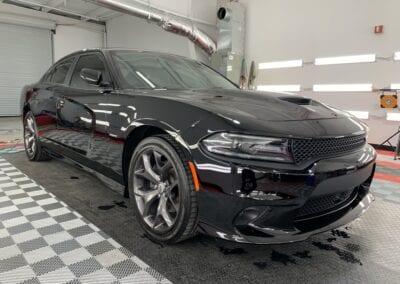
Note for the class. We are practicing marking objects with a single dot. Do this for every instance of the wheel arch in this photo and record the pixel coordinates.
(25, 97)
(137, 135)
(26, 108)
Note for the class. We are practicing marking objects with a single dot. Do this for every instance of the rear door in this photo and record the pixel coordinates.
(44, 98)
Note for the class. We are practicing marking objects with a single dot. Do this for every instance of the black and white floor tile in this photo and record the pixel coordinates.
(42, 240)
(11, 149)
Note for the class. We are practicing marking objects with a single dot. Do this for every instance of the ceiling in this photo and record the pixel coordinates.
(76, 9)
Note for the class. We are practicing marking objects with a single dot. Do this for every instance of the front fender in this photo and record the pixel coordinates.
(162, 125)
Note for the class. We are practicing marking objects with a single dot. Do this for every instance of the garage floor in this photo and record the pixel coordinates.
(367, 250)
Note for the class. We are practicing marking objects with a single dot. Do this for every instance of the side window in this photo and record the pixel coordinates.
(60, 72)
(47, 76)
(91, 61)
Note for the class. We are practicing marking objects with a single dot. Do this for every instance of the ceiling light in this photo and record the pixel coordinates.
(345, 59)
(359, 114)
(279, 88)
(393, 116)
(280, 64)
(397, 55)
(342, 88)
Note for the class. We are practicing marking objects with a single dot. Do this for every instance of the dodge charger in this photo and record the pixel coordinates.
(197, 154)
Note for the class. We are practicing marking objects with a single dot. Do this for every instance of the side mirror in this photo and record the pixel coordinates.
(90, 76)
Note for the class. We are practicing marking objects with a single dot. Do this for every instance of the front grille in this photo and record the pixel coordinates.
(307, 149)
(325, 203)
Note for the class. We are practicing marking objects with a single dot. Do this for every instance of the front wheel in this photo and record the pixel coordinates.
(162, 190)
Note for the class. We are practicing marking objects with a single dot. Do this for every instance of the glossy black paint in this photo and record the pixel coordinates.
(99, 128)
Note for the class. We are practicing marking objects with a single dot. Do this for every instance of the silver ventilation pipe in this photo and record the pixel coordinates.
(169, 24)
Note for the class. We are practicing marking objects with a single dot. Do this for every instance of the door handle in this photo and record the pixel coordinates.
(60, 104)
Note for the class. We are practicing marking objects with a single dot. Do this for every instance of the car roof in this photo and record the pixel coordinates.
(104, 50)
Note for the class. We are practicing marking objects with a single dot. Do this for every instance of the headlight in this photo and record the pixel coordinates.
(248, 147)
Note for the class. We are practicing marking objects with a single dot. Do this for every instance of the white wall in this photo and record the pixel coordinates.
(68, 39)
(131, 32)
(288, 29)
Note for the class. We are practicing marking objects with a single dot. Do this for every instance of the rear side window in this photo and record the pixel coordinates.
(47, 76)
(60, 71)
(91, 61)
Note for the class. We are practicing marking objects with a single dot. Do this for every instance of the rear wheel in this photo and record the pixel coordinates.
(33, 148)
(162, 190)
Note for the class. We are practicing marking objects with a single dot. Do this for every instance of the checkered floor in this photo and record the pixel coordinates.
(385, 190)
(11, 149)
(42, 240)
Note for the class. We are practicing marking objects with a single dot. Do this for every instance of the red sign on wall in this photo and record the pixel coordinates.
(378, 29)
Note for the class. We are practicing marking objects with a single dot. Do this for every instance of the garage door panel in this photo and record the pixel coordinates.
(25, 54)
(21, 66)
(8, 106)
(13, 78)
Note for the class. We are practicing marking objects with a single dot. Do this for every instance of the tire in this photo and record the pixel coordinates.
(33, 148)
(158, 151)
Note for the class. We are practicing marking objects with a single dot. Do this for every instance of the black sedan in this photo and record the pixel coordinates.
(197, 154)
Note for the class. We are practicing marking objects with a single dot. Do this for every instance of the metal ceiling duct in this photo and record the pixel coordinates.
(169, 24)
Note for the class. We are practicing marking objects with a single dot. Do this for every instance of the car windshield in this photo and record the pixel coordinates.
(143, 70)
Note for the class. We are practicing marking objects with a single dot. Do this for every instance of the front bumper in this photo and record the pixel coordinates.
(253, 204)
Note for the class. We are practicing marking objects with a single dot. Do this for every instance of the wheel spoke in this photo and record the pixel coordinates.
(27, 138)
(148, 199)
(31, 139)
(149, 220)
(153, 178)
(158, 213)
(159, 225)
(30, 125)
(144, 175)
(27, 131)
(174, 205)
(148, 168)
(162, 211)
(173, 184)
(157, 159)
(164, 169)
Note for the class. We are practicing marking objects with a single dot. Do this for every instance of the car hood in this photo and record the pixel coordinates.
(273, 114)
(260, 106)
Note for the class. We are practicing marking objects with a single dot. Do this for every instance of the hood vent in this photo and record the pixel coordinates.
(297, 100)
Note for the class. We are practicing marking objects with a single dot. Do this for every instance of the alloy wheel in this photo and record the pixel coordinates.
(30, 135)
(156, 189)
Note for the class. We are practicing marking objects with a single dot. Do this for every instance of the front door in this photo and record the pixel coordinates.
(82, 110)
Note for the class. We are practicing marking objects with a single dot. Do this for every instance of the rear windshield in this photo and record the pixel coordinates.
(141, 70)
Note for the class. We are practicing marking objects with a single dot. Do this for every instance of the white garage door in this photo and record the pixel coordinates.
(25, 54)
